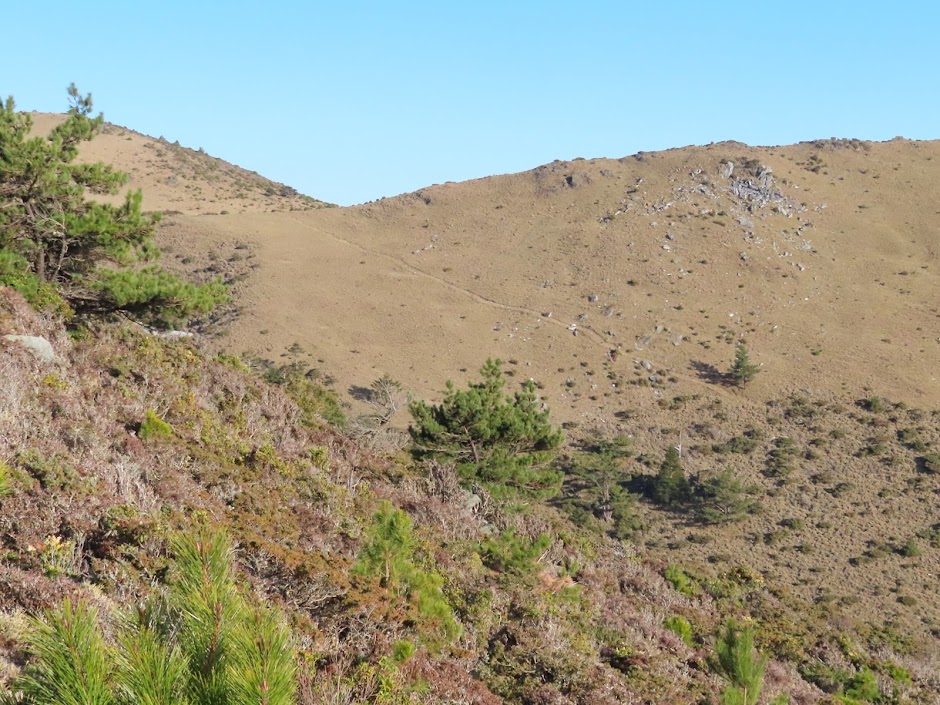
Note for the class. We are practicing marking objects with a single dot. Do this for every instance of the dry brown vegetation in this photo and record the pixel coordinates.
(95, 497)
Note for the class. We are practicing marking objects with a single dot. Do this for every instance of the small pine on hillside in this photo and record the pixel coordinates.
(204, 644)
(502, 441)
(743, 371)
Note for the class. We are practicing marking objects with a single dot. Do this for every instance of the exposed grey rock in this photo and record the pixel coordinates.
(471, 501)
(37, 345)
(756, 193)
(765, 177)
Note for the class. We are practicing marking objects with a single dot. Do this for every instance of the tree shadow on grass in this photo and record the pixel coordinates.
(711, 374)
(360, 393)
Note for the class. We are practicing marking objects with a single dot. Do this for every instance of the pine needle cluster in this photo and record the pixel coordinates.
(201, 644)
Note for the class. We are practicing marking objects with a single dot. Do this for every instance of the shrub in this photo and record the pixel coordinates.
(681, 627)
(154, 427)
(510, 552)
(6, 483)
(680, 580)
(15, 273)
(863, 686)
(317, 403)
(724, 498)
(743, 444)
(931, 463)
(780, 459)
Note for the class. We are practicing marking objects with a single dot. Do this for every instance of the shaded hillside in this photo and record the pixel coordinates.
(175, 178)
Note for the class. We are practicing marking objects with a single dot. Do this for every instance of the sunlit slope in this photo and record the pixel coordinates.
(826, 267)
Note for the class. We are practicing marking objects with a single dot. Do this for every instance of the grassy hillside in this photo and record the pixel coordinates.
(800, 503)
(183, 180)
(829, 275)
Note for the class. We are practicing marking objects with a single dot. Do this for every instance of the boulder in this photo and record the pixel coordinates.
(40, 348)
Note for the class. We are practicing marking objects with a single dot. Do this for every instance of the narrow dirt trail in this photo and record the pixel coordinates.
(478, 298)
(592, 335)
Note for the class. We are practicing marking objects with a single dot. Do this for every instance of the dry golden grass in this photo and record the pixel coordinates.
(177, 179)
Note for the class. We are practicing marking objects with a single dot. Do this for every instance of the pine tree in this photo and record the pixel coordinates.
(203, 646)
(670, 486)
(740, 664)
(389, 554)
(595, 484)
(505, 442)
(55, 240)
(388, 550)
(743, 370)
(725, 498)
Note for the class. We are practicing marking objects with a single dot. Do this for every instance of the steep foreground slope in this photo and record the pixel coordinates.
(96, 487)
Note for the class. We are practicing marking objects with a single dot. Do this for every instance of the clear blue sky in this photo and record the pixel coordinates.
(350, 101)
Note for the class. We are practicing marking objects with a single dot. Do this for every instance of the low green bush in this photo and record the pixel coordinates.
(681, 627)
(154, 427)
